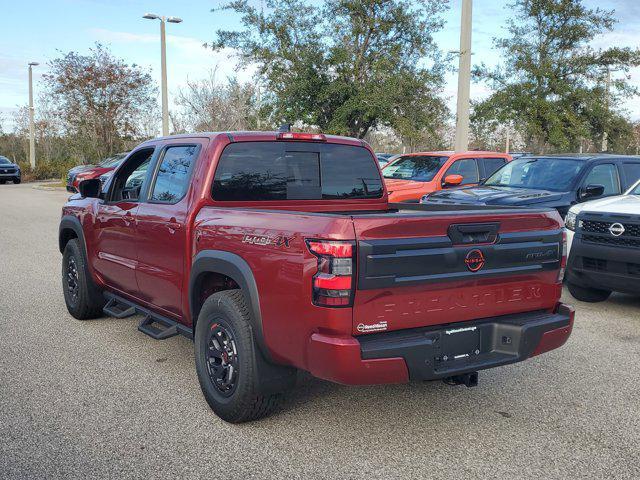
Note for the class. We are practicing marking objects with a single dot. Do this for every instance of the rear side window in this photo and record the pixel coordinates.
(631, 172)
(172, 178)
(258, 171)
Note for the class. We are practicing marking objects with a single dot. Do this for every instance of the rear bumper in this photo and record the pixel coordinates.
(433, 353)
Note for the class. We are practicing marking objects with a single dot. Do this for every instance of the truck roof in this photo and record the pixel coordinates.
(240, 136)
(587, 157)
(451, 152)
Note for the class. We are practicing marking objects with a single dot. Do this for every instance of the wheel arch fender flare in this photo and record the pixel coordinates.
(236, 268)
(69, 222)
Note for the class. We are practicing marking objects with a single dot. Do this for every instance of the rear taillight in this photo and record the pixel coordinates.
(314, 137)
(563, 260)
(334, 283)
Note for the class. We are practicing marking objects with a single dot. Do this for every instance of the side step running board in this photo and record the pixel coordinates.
(114, 308)
(147, 326)
(153, 324)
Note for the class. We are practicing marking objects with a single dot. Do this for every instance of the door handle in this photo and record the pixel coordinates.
(173, 225)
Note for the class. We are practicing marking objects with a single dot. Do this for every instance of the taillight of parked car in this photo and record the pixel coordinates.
(334, 283)
(563, 260)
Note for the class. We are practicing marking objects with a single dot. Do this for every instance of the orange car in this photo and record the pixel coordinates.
(409, 177)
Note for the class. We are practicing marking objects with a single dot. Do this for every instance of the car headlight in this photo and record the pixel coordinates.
(572, 217)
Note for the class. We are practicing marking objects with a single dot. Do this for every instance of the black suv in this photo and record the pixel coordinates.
(9, 171)
(557, 181)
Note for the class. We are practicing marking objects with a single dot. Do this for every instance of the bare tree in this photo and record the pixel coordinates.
(208, 105)
(100, 100)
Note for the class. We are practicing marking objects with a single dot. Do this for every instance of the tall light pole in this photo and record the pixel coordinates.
(163, 61)
(605, 134)
(32, 130)
(464, 79)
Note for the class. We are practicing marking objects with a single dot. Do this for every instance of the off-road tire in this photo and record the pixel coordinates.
(16, 181)
(228, 310)
(86, 301)
(586, 294)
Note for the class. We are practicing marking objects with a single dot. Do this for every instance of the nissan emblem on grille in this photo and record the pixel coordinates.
(616, 229)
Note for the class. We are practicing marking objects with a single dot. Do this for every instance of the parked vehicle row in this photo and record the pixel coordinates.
(548, 181)
(9, 171)
(280, 251)
(410, 177)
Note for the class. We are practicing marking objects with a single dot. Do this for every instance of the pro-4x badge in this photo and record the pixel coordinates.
(474, 260)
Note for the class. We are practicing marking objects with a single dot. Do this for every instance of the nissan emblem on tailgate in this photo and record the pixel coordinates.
(474, 260)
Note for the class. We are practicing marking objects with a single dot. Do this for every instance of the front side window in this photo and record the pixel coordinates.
(635, 190)
(172, 178)
(262, 171)
(419, 168)
(554, 174)
(605, 175)
(128, 183)
(467, 168)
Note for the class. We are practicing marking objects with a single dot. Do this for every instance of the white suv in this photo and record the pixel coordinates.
(627, 203)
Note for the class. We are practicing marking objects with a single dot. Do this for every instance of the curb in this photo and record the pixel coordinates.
(41, 186)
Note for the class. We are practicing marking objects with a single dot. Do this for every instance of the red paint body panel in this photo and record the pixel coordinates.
(453, 301)
(338, 359)
(555, 338)
(148, 259)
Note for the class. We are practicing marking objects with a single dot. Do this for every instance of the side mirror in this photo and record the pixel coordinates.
(591, 191)
(453, 180)
(90, 188)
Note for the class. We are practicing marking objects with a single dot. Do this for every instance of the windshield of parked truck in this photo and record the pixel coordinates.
(635, 190)
(419, 168)
(4, 161)
(555, 174)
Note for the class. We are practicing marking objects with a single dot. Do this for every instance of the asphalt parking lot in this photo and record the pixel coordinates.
(98, 399)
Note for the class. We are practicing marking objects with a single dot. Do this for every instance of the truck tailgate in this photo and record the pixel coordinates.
(430, 268)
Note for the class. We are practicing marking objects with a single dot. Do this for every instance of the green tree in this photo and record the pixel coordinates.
(551, 82)
(346, 66)
(99, 100)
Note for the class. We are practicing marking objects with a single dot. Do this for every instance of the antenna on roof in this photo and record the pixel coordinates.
(285, 127)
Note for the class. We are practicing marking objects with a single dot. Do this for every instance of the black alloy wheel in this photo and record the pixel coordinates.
(222, 359)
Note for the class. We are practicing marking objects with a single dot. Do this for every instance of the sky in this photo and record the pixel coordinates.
(39, 30)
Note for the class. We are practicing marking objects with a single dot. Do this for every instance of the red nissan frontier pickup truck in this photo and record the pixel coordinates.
(279, 251)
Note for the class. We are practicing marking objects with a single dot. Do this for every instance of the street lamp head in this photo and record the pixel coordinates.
(150, 16)
(33, 64)
(174, 20)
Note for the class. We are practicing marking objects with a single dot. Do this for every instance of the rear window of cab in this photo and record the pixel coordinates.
(263, 171)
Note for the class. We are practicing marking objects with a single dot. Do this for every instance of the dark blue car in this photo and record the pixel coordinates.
(557, 181)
